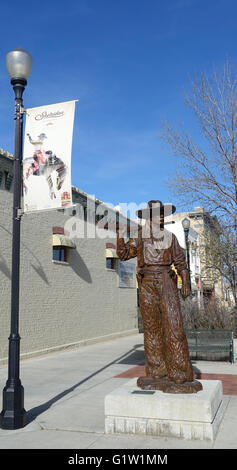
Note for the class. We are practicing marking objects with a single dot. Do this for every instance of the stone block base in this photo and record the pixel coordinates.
(128, 409)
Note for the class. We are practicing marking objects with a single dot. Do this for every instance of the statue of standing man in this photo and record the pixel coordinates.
(168, 365)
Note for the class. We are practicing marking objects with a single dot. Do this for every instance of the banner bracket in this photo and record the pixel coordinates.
(20, 213)
(23, 110)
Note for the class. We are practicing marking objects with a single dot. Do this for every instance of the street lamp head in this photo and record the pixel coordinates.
(19, 64)
(186, 224)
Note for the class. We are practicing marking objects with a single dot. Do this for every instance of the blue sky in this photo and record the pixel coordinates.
(128, 62)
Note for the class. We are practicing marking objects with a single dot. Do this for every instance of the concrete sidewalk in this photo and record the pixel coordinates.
(64, 399)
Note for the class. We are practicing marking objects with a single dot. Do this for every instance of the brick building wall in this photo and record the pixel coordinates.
(61, 305)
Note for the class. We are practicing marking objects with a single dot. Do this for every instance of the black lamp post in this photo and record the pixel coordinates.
(186, 227)
(13, 415)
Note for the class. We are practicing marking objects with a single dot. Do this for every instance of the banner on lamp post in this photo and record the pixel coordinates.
(47, 157)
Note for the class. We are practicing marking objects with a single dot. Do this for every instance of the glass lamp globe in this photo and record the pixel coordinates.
(19, 63)
(186, 224)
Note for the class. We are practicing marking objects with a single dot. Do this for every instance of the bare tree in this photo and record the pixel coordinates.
(221, 255)
(207, 173)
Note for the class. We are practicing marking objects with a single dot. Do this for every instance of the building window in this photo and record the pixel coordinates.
(111, 263)
(8, 180)
(60, 253)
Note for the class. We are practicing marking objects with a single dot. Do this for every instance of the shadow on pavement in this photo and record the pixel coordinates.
(34, 412)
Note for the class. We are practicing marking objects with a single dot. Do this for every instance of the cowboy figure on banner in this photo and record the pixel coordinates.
(47, 164)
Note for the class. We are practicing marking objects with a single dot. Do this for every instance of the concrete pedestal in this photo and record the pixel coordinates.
(128, 409)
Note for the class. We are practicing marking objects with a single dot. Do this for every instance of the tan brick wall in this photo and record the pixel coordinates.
(60, 304)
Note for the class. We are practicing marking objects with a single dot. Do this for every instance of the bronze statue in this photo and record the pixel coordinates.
(168, 365)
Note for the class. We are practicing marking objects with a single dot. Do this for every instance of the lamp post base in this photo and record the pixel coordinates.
(13, 415)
